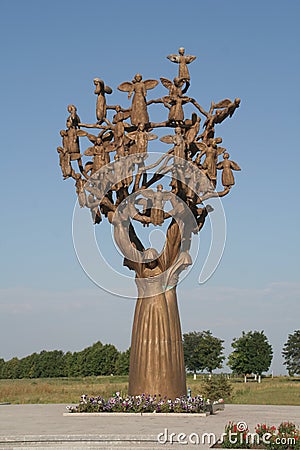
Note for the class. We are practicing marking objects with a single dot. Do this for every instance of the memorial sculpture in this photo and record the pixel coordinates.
(116, 183)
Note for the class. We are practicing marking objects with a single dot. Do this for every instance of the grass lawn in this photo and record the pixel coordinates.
(276, 391)
(59, 390)
(271, 391)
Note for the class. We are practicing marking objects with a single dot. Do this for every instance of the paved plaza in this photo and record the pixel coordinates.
(46, 427)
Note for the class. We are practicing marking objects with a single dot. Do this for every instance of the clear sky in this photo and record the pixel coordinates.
(50, 53)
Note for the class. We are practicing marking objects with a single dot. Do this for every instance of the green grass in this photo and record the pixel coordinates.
(59, 390)
(276, 391)
(271, 391)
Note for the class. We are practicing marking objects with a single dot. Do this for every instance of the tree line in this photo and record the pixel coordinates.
(252, 354)
(97, 359)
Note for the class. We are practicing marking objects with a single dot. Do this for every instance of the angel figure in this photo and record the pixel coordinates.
(118, 128)
(175, 99)
(119, 174)
(157, 202)
(179, 145)
(204, 184)
(190, 179)
(80, 191)
(200, 183)
(100, 90)
(99, 187)
(141, 138)
(211, 152)
(73, 120)
(93, 203)
(138, 88)
(182, 60)
(222, 109)
(100, 152)
(64, 156)
(64, 162)
(127, 210)
(72, 126)
(71, 140)
(227, 166)
(192, 128)
(228, 108)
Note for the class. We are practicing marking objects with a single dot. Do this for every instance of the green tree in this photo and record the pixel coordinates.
(72, 361)
(202, 351)
(106, 366)
(69, 360)
(2, 364)
(252, 354)
(11, 368)
(88, 360)
(291, 353)
(49, 364)
(28, 366)
(98, 359)
(122, 363)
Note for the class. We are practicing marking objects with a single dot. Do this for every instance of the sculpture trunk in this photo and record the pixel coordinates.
(156, 357)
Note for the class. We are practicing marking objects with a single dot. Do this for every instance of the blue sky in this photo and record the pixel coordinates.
(51, 51)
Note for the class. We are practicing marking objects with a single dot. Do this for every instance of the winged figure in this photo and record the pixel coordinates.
(222, 109)
(182, 60)
(100, 151)
(179, 145)
(211, 152)
(138, 88)
(141, 138)
(227, 166)
(157, 201)
(175, 99)
(100, 90)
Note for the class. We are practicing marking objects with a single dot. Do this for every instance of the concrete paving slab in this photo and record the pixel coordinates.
(45, 426)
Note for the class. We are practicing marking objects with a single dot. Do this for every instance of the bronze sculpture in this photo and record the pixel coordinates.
(139, 88)
(227, 166)
(119, 188)
(182, 60)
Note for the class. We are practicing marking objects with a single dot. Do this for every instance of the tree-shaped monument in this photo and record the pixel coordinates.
(116, 183)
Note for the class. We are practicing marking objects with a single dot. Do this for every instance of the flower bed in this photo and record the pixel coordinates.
(144, 404)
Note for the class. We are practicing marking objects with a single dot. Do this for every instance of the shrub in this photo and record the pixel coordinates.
(216, 387)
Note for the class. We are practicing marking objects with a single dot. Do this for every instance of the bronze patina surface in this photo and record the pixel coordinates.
(115, 182)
